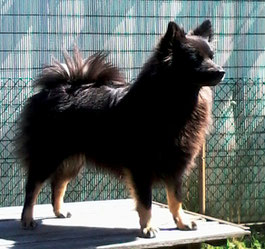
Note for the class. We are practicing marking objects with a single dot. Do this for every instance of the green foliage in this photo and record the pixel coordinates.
(255, 241)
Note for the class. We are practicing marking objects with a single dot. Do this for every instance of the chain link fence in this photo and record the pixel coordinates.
(235, 156)
(235, 171)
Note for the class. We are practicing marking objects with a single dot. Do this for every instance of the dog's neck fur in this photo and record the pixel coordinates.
(156, 87)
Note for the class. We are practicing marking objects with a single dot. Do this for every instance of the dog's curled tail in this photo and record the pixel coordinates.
(77, 71)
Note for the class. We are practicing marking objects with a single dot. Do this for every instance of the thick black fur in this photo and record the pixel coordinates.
(153, 128)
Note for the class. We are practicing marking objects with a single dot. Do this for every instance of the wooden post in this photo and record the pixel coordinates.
(202, 180)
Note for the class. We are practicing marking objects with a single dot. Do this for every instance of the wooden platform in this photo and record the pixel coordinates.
(105, 224)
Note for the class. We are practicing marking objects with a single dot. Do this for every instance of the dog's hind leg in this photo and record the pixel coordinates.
(67, 170)
(175, 206)
(141, 190)
(33, 188)
(59, 186)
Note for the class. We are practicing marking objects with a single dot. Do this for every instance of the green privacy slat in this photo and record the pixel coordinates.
(32, 32)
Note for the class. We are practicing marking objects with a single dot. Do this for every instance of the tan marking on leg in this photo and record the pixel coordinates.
(145, 215)
(59, 189)
(27, 215)
(65, 172)
(175, 208)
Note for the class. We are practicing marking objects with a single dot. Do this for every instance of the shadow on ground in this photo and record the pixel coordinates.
(53, 236)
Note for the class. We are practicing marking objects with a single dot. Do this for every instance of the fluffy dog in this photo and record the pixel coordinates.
(86, 114)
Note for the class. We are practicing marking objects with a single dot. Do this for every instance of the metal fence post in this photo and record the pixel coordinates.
(202, 180)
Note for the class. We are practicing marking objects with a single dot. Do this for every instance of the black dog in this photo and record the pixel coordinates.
(148, 131)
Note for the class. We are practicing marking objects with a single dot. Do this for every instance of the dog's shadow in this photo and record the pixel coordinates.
(55, 236)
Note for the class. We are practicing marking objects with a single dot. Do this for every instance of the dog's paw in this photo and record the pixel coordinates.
(186, 225)
(149, 232)
(28, 224)
(63, 214)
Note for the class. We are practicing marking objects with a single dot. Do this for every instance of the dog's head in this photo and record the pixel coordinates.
(191, 54)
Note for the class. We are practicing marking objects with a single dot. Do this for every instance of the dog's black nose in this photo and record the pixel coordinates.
(216, 77)
(219, 71)
(218, 74)
(221, 74)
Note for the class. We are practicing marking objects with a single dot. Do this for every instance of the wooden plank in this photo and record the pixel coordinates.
(206, 217)
(104, 224)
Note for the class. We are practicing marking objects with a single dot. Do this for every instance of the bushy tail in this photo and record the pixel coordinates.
(79, 71)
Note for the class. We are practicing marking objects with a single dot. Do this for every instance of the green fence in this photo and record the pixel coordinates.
(235, 173)
(31, 32)
(235, 156)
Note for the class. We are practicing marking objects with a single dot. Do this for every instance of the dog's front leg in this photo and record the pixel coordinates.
(141, 190)
(175, 207)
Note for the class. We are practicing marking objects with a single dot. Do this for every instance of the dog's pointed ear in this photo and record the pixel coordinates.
(174, 32)
(204, 30)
